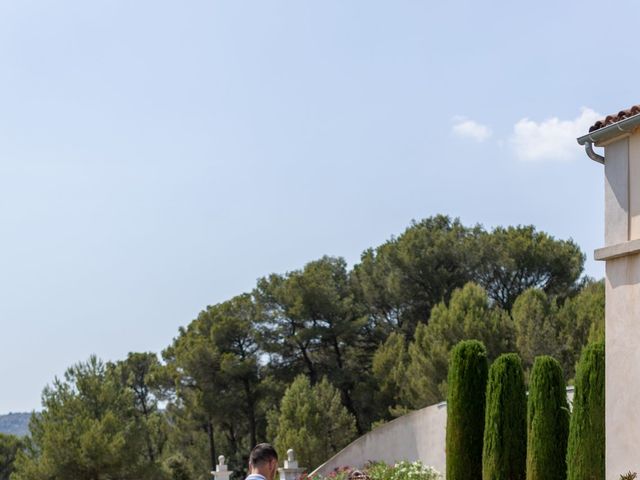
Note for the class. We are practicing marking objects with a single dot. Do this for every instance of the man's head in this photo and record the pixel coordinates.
(263, 460)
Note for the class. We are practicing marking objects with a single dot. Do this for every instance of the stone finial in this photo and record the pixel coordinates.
(221, 472)
(291, 471)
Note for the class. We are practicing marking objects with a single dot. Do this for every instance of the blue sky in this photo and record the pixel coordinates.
(157, 157)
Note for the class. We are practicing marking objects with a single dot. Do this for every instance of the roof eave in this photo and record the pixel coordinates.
(609, 132)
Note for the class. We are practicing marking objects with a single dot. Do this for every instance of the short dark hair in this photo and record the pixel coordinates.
(261, 453)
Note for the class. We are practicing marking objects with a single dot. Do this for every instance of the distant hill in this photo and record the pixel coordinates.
(15, 423)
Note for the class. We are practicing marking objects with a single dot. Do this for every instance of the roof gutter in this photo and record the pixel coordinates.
(607, 133)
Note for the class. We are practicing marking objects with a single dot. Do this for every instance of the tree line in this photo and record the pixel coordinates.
(366, 344)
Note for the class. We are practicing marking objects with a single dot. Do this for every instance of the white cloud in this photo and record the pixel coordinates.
(551, 139)
(466, 128)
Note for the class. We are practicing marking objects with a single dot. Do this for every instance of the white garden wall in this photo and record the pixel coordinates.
(419, 435)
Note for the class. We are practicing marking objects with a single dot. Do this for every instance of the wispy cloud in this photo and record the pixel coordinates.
(466, 128)
(551, 139)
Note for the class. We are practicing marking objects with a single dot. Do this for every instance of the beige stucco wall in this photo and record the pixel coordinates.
(419, 435)
(622, 411)
(622, 311)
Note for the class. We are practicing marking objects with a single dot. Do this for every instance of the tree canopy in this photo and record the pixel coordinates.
(328, 347)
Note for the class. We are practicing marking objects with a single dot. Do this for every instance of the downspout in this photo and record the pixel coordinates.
(606, 134)
(588, 147)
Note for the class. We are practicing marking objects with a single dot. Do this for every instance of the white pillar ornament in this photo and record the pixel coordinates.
(291, 470)
(221, 472)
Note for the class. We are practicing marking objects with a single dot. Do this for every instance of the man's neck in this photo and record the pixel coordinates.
(259, 471)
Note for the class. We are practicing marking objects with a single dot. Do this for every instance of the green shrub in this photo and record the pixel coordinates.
(585, 453)
(547, 422)
(467, 383)
(505, 429)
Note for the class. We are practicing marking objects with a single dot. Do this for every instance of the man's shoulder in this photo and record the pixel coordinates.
(255, 476)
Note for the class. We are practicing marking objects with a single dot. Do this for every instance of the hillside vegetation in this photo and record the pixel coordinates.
(15, 424)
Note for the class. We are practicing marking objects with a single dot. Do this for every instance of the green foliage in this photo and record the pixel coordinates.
(515, 259)
(547, 421)
(586, 450)
(505, 431)
(218, 380)
(312, 324)
(582, 321)
(177, 468)
(388, 367)
(148, 380)
(403, 279)
(10, 445)
(469, 315)
(381, 334)
(537, 326)
(465, 410)
(312, 421)
(87, 430)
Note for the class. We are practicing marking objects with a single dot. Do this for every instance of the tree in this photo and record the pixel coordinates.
(581, 319)
(86, 431)
(505, 431)
(403, 279)
(515, 259)
(469, 315)
(217, 373)
(312, 421)
(586, 452)
(313, 325)
(147, 379)
(465, 410)
(389, 371)
(10, 445)
(547, 421)
(538, 330)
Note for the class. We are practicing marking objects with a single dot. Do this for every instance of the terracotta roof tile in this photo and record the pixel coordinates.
(610, 119)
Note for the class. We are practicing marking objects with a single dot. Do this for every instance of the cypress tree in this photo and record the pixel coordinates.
(547, 421)
(505, 429)
(467, 383)
(585, 453)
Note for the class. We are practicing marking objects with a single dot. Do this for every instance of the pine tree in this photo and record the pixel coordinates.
(312, 421)
(585, 453)
(547, 421)
(469, 315)
(538, 328)
(465, 410)
(505, 431)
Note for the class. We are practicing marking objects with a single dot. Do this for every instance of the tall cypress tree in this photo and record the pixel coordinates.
(585, 453)
(547, 421)
(465, 410)
(505, 429)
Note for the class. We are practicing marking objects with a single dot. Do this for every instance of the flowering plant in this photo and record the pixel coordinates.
(402, 471)
(414, 471)
(382, 471)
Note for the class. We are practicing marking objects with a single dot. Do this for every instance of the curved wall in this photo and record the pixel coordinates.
(419, 435)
